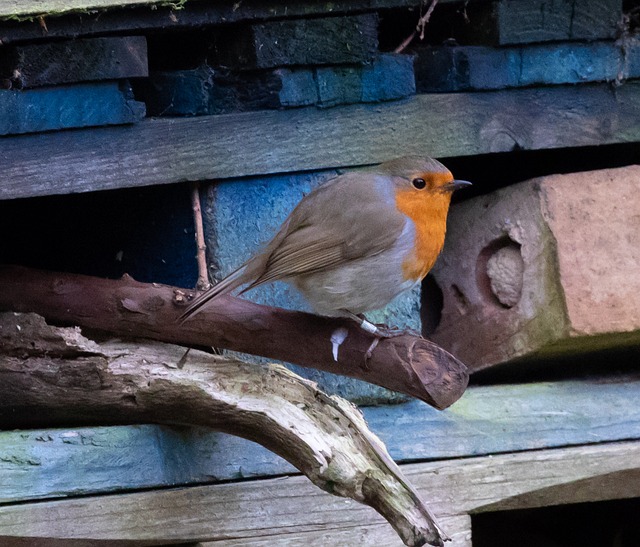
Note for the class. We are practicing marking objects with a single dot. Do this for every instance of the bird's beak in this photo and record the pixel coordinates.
(456, 185)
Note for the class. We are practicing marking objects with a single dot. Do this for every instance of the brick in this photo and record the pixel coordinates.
(242, 215)
(63, 107)
(89, 59)
(317, 41)
(481, 67)
(543, 268)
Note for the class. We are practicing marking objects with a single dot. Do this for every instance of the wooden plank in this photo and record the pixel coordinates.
(446, 68)
(299, 42)
(77, 17)
(52, 463)
(91, 59)
(487, 420)
(526, 21)
(204, 90)
(162, 151)
(16, 9)
(290, 511)
(68, 106)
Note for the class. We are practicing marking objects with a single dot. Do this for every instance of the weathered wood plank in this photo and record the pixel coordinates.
(206, 90)
(57, 373)
(446, 68)
(526, 21)
(487, 420)
(542, 268)
(314, 41)
(292, 511)
(78, 18)
(19, 8)
(68, 106)
(69, 61)
(177, 150)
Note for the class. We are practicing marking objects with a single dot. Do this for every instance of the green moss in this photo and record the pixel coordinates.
(21, 11)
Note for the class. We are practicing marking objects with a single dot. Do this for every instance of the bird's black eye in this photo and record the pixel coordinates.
(419, 183)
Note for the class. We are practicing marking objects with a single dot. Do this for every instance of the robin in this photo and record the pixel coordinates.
(357, 241)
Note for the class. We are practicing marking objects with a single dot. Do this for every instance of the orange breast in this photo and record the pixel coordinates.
(428, 211)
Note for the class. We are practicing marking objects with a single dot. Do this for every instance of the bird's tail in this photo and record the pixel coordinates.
(232, 281)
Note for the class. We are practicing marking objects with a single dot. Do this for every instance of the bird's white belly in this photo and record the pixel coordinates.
(360, 285)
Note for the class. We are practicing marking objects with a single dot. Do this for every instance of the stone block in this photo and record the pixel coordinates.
(543, 268)
(241, 216)
(63, 107)
(299, 42)
(89, 59)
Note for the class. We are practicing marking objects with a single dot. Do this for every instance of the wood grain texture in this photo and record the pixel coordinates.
(91, 59)
(407, 363)
(289, 511)
(68, 106)
(209, 12)
(41, 464)
(315, 41)
(526, 21)
(56, 375)
(163, 151)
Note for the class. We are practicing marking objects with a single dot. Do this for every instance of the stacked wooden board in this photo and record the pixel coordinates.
(272, 99)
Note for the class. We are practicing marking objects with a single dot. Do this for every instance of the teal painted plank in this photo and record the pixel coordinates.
(64, 107)
(63, 462)
(163, 151)
(487, 420)
(441, 69)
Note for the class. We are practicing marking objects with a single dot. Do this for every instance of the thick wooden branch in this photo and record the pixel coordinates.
(408, 364)
(51, 376)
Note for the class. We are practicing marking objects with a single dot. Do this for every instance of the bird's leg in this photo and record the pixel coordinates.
(379, 332)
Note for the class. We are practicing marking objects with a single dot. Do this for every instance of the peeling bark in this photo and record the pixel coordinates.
(52, 376)
(408, 364)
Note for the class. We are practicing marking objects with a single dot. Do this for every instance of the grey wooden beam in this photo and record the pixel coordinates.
(164, 151)
(90, 17)
(487, 420)
(291, 511)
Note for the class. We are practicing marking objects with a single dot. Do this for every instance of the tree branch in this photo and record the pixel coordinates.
(408, 364)
(53, 376)
(201, 247)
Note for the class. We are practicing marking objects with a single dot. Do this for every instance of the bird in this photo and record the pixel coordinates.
(355, 242)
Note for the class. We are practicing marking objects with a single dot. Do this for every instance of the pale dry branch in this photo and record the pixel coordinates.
(52, 376)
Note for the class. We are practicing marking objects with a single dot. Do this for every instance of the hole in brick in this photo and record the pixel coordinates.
(431, 305)
(499, 272)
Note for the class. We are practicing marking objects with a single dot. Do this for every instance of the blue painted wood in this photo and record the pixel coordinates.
(478, 67)
(63, 107)
(527, 21)
(174, 150)
(205, 90)
(487, 420)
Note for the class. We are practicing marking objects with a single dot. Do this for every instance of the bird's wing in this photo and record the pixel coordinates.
(321, 234)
